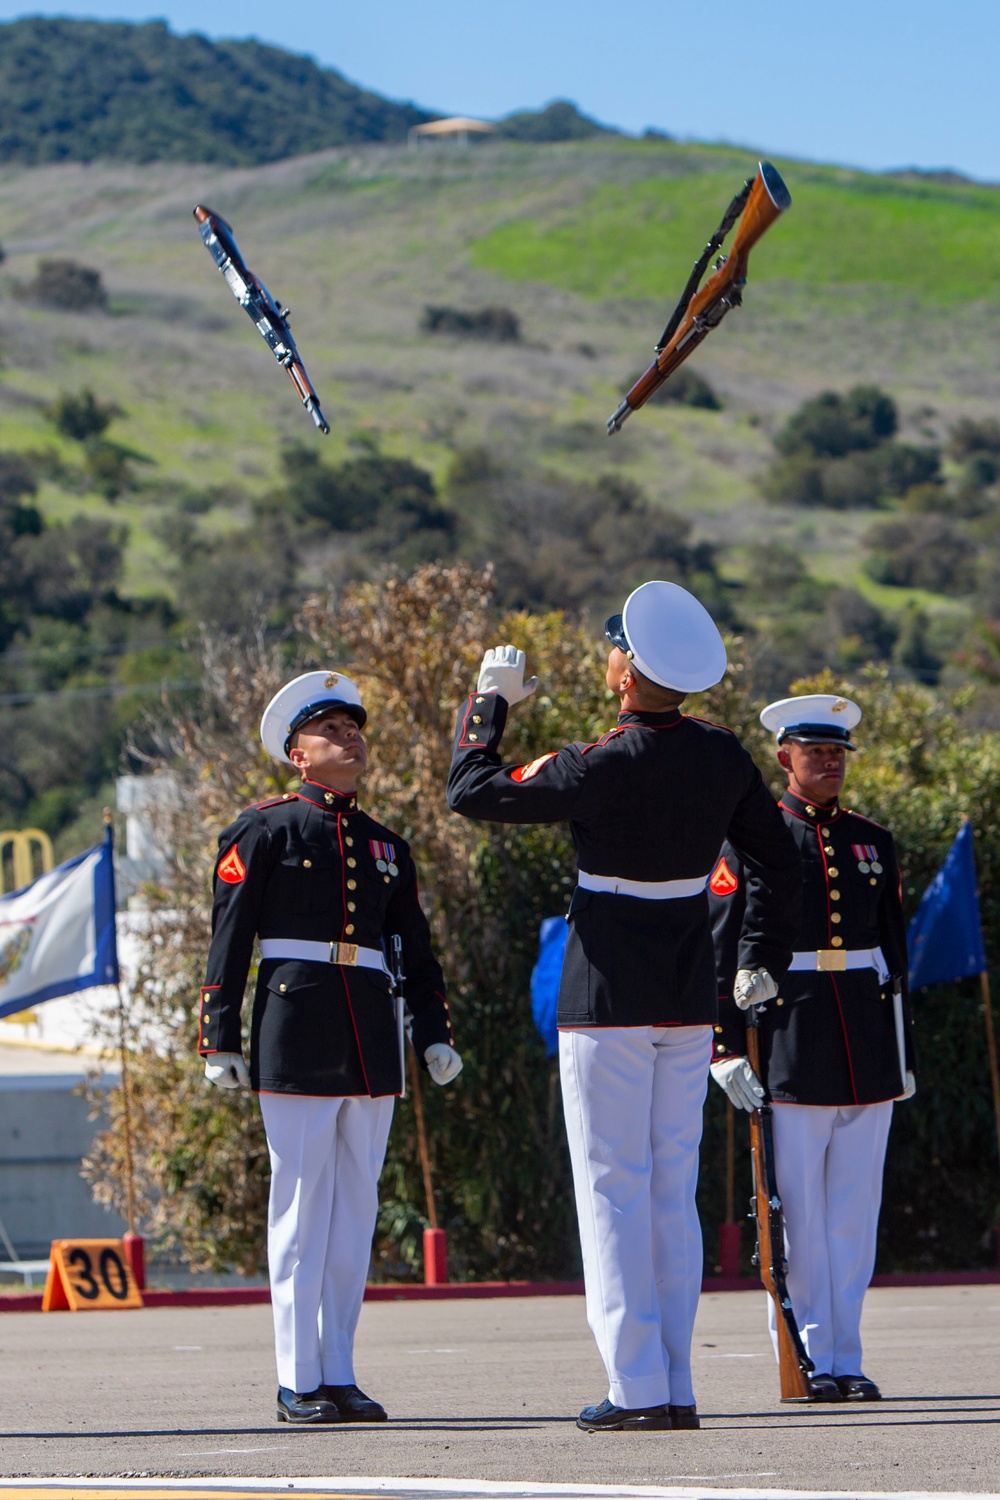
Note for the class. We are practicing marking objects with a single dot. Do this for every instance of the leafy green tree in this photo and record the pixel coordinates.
(77, 90)
(558, 121)
(922, 551)
(830, 425)
(82, 415)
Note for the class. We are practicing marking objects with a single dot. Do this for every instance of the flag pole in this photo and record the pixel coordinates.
(435, 1241)
(132, 1242)
(991, 1049)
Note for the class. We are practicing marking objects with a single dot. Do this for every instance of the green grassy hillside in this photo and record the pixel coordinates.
(935, 241)
(865, 280)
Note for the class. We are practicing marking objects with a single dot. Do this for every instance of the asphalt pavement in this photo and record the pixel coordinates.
(488, 1390)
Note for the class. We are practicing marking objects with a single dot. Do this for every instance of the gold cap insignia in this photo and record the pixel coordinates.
(331, 680)
(835, 708)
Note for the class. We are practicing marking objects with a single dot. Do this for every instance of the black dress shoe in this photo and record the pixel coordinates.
(683, 1418)
(312, 1408)
(353, 1405)
(610, 1418)
(824, 1388)
(858, 1388)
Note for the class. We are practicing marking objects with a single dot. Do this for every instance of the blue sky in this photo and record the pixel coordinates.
(879, 84)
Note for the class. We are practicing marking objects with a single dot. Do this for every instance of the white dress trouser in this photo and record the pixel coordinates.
(326, 1156)
(828, 1163)
(633, 1099)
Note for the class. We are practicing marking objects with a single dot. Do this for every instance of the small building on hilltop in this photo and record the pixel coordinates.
(457, 128)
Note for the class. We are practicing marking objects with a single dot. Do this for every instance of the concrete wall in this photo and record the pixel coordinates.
(45, 1131)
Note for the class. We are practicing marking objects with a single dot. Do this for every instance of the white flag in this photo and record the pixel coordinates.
(57, 934)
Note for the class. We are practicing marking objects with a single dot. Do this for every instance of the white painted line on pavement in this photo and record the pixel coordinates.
(466, 1489)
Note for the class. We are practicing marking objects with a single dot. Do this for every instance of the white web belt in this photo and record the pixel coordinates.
(349, 954)
(646, 890)
(835, 960)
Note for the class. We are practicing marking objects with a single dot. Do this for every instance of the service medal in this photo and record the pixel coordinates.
(876, 867)
(381, 866)
(864, 866)
(393, 869)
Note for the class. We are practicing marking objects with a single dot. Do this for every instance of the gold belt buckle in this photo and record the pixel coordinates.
(344, 953)
(830, 959)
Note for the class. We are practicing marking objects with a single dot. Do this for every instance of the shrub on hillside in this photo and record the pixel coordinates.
(496, 323)
(558, 121)
(838, 452)
(82, 415)
(17, 477)
(830, 425)
(969, 436)
(390, 503)
(67, 286)
(922, 551)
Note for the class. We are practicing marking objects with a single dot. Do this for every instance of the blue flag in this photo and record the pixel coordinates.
(57, 935)
(945, 939)
(545, 977)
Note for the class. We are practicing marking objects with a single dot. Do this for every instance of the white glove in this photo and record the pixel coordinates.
(741, 1084)
(753, 987)
(502, 671)
(227, 1070)
(443, 1062)
(909, 1086)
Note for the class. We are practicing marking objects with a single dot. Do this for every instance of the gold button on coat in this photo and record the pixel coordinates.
(834, 895)
(477, 718)
(351, 862)
(352, 885)
(473, 736)
(307, 864)
(282, 988)
(351, 906)
(349, 928)
(349, 842)
(838, 942)
(833, 872)
(827, 848)
(825, 832)
(835, 916)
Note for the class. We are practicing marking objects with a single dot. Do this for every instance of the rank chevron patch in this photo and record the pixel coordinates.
(231, 868)
(723, 881)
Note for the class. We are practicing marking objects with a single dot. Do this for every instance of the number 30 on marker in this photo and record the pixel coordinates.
(87, 1274)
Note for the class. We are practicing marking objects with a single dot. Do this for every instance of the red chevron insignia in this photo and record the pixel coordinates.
(231, 868)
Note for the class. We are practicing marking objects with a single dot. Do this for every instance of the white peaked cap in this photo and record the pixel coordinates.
(671, 637)
(815, 718)
(301, 700)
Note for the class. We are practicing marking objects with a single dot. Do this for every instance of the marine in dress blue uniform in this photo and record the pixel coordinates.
(648, 805)
(322, 887)
(836, 1041)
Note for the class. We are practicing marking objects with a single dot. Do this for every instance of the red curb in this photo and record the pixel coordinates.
(243, 1296)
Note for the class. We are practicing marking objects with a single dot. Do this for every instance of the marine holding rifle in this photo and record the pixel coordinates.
(835, 1037)
(325, 889)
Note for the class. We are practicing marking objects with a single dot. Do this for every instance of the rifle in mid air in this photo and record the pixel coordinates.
(794, 1364)
(758, 203)
(270, 320)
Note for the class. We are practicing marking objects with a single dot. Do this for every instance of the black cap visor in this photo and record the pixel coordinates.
(614, 629)
(321, 706)
(816, 734)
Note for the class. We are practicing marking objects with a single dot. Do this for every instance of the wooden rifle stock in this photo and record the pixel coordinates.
(794, 1364)
(703, 309)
